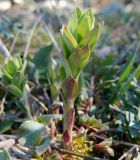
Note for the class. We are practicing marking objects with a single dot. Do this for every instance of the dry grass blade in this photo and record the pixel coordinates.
(76, 154)
(29, 40)
(4, 50)
(7, 143)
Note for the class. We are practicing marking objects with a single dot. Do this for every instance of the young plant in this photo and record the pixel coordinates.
(78, 39)
(15, 81)
(12, 76)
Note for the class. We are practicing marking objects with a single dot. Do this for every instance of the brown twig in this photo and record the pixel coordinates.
(114, 141)
(109, 130)
(2, 104)
(4, 50)
(76, 154)
(40, 103)
(131, 150)
(125, 143)
(14, 42)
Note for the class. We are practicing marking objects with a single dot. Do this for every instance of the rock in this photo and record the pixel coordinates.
(5, 5)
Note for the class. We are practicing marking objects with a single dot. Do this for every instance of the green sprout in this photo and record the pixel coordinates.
(78, 38)
(13, 77)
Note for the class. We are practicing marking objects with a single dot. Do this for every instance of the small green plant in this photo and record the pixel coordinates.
(78, 39)
(15, 81)
(13, 77)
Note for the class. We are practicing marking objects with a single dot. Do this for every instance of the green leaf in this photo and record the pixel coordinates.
(53, 69)
(7, 78)
(5, 126)
(134, 129)
(135, 74)
(4, 154)
(1, 61)
(45, 119)
(64, 46)
(78, 60)
(73, 23)
(124, 76)
(128, 68)
(92, 37)
(90, 121)
(89, 12)
(10, 67)
(62, 73)
(79, 13)
(54, 91)
(18, 62)
(133, 132)
(66, 66)
(42, 57)
(14, 90)
(19, 80)
(83, 27)
(96, 34)
(31, 133)
(43, 147)
(69, 39)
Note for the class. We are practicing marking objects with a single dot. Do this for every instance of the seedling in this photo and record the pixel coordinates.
(78, 39)
(13, 77)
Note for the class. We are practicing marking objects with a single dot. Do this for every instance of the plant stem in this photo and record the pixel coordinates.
(69, 114)
(70, 92)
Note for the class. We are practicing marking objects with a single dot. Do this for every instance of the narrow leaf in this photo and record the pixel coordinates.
(128, 68)
(5, 126)
(64, 46)
(135, 74)
(79, 13)
(69, 39)
(89, 12)
(14, 90)
(4, 154)
(83, 27)
(73, 23)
